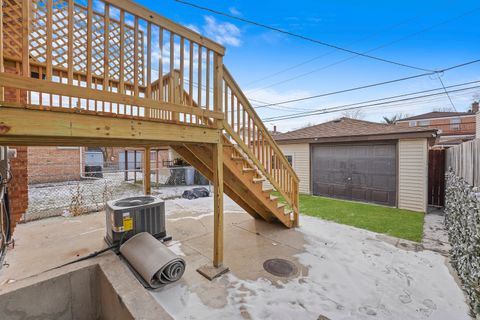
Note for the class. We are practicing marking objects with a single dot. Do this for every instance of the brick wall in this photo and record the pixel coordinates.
(18, 188)
(53, 164)
(466, 126)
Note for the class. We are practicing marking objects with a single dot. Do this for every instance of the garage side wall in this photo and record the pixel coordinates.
(301, 163)
(413, 174)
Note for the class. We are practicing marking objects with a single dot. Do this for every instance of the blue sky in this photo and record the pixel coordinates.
(427, 34)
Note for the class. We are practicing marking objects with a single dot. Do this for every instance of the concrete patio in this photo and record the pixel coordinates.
(342, 272)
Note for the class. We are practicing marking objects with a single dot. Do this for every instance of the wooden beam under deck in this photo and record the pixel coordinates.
(29, 127)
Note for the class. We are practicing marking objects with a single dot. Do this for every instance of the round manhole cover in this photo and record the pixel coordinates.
(280, 267)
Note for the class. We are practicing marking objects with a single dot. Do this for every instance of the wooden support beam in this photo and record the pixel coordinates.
(25, 38)
(2, 67)
(218, 204)
(134, 166)
(147, 186)
(126, 165)
(36, 127)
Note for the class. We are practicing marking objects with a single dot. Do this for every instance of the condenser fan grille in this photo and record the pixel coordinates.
(134, 201)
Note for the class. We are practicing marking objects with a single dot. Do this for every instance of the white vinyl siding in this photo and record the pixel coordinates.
(301, 163)
(413, 174)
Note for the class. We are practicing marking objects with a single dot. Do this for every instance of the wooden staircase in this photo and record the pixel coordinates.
(242, 182)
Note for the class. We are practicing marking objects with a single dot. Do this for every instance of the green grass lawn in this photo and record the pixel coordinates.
(395, 222)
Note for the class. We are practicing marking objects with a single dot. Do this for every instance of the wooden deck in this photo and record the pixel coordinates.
(113, 73)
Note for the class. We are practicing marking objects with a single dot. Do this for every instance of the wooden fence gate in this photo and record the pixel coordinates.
(436, 177)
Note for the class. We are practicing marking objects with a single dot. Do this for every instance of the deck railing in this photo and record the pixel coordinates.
(111, 46)
(247, 130)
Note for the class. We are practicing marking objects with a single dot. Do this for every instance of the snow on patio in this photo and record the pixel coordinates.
(352, 274)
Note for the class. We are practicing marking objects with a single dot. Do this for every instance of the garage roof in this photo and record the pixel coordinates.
(346, 129)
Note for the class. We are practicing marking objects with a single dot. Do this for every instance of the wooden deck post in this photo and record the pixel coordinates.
(147, 186)
(126, 165)
(211, 272)
(218, 205)
(135, 166)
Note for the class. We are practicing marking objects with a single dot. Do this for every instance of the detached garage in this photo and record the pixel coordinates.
(362, 161)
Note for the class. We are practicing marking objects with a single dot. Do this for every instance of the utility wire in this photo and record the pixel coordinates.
(355, 56)
(299, 36)
(446, 92)
(343, 107)
(372, 85)
(401, 95)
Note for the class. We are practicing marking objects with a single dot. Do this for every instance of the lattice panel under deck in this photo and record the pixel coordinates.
(60, 43)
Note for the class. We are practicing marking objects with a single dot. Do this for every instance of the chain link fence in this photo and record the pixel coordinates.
(70, 182)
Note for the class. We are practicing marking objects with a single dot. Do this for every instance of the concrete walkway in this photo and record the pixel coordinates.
(342, 272)
(435, 236)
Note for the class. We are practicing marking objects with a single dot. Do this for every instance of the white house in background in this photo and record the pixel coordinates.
(361, 160)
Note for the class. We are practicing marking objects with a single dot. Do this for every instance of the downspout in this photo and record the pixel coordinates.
(82, 176)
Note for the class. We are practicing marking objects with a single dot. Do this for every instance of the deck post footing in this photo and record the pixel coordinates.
(210, 272)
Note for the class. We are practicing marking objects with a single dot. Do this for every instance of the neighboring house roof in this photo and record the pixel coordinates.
(346, 129)
(438, 114)
(451, 141)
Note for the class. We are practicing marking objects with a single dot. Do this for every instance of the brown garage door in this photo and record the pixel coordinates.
(363, 172)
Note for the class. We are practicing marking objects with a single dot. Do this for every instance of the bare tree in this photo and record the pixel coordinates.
(354, 114)
(107, 153)
(396, 117)
(443, 109)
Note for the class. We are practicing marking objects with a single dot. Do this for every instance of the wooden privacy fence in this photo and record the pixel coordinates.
(464, 159)
(436, 177)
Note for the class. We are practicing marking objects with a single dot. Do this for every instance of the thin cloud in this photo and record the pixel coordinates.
(222, 32)
(234, 11)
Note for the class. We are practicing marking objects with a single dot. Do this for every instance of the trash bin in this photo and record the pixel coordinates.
(200, 179)
(189, 176)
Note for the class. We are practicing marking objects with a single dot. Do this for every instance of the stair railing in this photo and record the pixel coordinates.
(247, 130)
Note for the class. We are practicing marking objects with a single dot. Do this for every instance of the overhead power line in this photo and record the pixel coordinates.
(370, 103)
(396, 96)
(299, 36)
(372, 85)
(446, 92)
(355, 56)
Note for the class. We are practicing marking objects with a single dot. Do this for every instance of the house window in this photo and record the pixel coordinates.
(424, 123)
(289, 159)
(412, 123)
(455, 123)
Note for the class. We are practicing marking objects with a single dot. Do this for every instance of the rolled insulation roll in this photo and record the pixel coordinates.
(152, 260)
